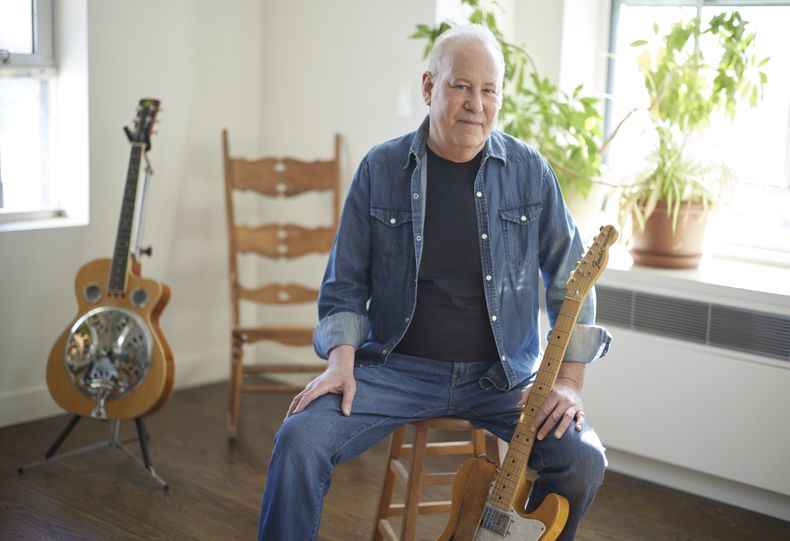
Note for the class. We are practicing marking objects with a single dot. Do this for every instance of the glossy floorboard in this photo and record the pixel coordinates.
(215, 487)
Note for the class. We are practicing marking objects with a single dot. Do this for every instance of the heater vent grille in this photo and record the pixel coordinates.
(750, 331)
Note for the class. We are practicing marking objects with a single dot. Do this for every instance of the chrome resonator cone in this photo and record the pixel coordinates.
(108, 354)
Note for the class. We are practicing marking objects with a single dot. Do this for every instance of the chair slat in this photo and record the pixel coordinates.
(283, 240)
(291, 336)
(283, 176)
(279, 294)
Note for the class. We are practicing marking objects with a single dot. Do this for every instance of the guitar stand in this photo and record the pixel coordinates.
(114, 441)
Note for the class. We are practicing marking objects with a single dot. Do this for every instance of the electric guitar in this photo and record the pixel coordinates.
(489, 509)
(112, 361)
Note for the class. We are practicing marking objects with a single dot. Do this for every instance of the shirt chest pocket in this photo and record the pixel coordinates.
(391, 235)
(520, 232)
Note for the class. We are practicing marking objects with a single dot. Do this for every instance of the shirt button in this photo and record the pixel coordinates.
(503, 357)
(484, 236)
(523, 218)
(488, 277)
(416, 196)
(493, 318)
(392, 221)
(479, 194)
(407, 319)
(384, 351)
(419, 238)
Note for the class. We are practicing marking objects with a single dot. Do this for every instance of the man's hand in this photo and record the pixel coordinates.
(563, 405)
(337, 378)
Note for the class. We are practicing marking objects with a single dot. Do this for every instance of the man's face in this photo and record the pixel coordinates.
(463, 102)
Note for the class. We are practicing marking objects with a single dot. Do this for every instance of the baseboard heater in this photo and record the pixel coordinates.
(738, 329)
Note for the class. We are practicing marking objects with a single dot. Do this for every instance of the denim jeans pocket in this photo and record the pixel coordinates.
(390, 235)
(520, 232)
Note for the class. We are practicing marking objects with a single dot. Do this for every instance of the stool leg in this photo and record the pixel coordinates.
(389, 482)
(412, 508)
(479, 441)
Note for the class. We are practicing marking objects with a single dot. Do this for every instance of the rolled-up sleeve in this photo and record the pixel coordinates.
(338, 329)
(588, 343)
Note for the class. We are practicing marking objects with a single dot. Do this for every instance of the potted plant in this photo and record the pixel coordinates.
(565, 128)
(669, 203)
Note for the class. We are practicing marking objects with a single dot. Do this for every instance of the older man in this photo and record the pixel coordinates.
(429, 305)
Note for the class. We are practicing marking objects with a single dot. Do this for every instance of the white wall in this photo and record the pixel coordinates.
(340, 66)
(202, 60)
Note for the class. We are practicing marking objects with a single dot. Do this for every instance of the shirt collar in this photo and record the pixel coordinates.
(494, 147)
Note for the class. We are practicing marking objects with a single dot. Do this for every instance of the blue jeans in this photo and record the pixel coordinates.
(406, 389)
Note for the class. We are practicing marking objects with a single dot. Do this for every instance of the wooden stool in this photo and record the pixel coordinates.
(414, 478)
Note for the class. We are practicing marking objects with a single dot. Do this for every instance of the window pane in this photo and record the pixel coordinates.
(16, 26)
(24, 144)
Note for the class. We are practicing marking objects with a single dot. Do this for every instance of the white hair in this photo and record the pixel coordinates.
(439, 59)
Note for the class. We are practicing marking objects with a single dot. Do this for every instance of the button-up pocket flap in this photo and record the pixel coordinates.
(391, 217)
(523, 214)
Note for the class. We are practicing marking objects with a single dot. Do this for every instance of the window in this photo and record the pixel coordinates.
(756, 145)
(26, 110)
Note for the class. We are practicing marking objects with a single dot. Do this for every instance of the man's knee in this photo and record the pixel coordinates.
(579, 453)
(300, 439)
(587, 457)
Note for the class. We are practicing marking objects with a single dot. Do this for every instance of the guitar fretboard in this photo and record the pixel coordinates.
(120, 259)
(504, 492)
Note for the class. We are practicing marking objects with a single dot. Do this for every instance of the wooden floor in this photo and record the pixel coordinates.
(215, 487)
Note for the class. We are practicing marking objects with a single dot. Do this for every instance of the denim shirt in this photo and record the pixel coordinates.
(369, 290)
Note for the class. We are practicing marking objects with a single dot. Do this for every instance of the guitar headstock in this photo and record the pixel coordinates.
(144, 122)
(592, 265)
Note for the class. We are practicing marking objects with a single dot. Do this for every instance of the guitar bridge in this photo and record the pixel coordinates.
(496, 520)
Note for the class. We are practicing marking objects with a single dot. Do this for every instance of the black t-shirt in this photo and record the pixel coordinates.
(450, 320)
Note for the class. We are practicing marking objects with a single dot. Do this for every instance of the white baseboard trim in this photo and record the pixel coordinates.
(32, 403)
(738, 494)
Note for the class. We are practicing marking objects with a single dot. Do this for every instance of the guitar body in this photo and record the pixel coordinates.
(157, 385)
(474, 478)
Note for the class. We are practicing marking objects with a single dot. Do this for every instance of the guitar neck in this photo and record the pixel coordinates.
(504, 492)
(120, 260)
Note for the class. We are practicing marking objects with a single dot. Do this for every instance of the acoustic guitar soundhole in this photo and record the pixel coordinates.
(139, 297)
(92, 293)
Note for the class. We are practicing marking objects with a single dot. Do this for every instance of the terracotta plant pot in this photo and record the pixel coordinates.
(658, 247)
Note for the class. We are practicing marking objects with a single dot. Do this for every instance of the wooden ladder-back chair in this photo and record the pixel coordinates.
(273, 177)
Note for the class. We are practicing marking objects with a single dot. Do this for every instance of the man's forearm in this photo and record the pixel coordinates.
(572, 371)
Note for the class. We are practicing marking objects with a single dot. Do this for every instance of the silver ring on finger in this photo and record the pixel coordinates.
(571, 413)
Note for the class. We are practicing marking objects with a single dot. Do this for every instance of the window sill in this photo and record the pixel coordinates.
(720, 279)
(31, 221)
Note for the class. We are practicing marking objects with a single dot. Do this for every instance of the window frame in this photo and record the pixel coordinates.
(40, 64)
(43, 49)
